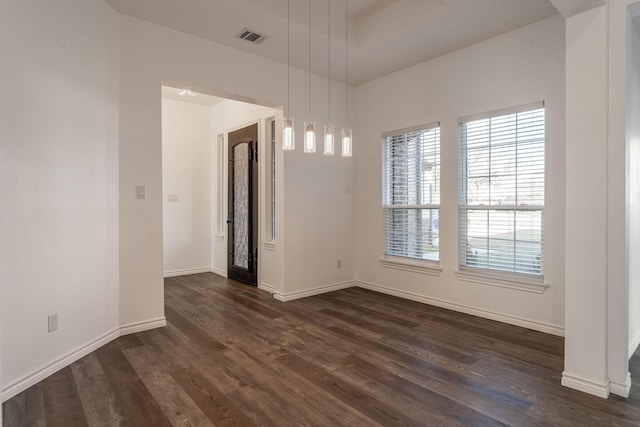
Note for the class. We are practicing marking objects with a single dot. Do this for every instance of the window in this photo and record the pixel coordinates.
(272, 169)
(411, 192)
(502, 190)
(220, 228)
(270, 183)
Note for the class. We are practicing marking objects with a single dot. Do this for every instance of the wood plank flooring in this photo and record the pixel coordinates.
(233, 356)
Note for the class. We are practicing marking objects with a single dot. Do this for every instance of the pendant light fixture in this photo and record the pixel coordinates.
(288, 129)
(347, 133)
(329, 130)
(329, 139)
(309, 126)
(347, 137)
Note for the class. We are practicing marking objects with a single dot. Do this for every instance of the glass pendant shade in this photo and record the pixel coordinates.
(347, 143)
(288, 134)
(309, 137)
(329, 139)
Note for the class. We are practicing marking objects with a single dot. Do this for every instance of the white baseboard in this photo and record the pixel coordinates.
(587, 386)
(35, 377)
(487, 314)
(218, 272)
(40, 374)
(623, 388)
(633, 345)
(185, 271)
(147, 325)
(311, 292)
(267, 287)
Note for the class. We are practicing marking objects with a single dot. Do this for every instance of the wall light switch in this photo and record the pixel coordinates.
(141, 192)
(173, 197)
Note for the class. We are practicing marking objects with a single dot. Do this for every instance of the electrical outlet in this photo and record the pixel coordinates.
(339, 264)
(172, 198)
(53, 322)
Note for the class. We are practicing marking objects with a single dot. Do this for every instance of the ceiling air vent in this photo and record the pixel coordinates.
(250, 35)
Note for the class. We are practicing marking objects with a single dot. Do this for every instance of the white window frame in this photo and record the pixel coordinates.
(271, 177)
(220, 181)
(405, 261)
(530, 282)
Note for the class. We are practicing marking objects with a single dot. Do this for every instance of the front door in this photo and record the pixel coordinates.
(242, 260)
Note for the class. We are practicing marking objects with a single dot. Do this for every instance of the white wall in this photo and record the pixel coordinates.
(633, 156)
(75, 227)
(192, 241)
(59, 186)
(313, 237)
(186, 173)
(226, 116)
(516, 68)
(82, 78)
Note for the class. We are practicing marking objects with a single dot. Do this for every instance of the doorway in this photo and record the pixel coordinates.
(242, 218)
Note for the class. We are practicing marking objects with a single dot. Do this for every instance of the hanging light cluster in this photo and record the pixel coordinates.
(309, 144)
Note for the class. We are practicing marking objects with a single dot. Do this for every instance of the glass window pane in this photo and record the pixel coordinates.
(501, 254)
(478, 191)
(411, 178)
(412, 233)
(502, 172)
(503, 190)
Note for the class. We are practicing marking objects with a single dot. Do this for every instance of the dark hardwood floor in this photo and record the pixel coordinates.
(233, 356)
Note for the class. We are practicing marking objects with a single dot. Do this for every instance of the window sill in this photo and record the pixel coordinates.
(415, 266)
(525, 284)
(269, 245)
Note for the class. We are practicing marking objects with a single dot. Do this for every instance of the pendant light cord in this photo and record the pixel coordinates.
(309, 59)
(329, 61)
(346, 61)
(288, 58)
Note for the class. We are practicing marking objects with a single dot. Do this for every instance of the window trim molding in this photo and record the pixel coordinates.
(509, 280)
(414, 265)
(501, 112)
(220, 185)
(417, 128)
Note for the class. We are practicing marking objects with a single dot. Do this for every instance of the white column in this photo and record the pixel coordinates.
(620, 32)
(586, 202)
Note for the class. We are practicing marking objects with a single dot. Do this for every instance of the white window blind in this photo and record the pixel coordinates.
(502, 190)
(411, 192)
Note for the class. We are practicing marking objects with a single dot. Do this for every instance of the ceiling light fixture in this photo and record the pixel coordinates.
(329, 130)
(186, 91)
(347, 133)
(288, 129)
(309, 126)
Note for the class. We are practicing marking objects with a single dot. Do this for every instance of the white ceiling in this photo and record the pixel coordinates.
(384, 35)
